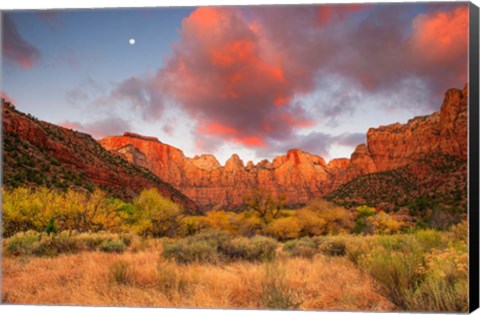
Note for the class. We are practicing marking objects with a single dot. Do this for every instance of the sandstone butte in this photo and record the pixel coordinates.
(299, 175)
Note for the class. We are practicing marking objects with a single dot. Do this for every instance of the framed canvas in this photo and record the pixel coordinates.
(319, 157)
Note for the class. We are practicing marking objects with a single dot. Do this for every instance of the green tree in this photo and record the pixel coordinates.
(362, 222)
(51, 227)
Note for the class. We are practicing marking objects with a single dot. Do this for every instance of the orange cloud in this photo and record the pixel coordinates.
(217, 129)
(441, 36)
(222, 76)
(252, 142)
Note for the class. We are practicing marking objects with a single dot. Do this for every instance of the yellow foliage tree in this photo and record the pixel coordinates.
(337, 219)
(311, 223)
(284, 228)
(155, 215)
(385, 223)
(25, 209)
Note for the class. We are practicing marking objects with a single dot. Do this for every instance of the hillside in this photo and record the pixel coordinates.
(433, 187)
(37, 153)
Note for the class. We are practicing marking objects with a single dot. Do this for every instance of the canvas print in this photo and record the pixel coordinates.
(309, 157)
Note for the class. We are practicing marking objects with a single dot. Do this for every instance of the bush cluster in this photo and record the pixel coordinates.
(310, 246)
(216, 246)
(423, 271)
(43, 244)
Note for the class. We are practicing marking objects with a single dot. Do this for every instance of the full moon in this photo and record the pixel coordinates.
(132, 41)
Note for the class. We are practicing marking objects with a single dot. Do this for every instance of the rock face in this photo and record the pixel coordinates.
(299, 175)
(396, 145)
(39, 153)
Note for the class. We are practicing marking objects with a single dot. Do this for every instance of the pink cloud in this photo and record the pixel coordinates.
(441, 38)
(98, 129)
(7, 97)
(15, 48)
(220, 75)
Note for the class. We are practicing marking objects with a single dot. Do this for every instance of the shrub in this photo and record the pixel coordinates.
(460, 231)
(216, 246)
(445, 284)
(112, 246)
(422, 271)
(65, 242)
(304, 247)
(170, 279)
(23, 243)
(276, 294)
(430, 239)
(259, 248)
(215, 238)
(122, 273)
(396, 271)
(185, 252)
(41, 244)
(333, 247)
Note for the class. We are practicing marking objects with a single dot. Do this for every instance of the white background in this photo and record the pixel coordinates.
(46, 4)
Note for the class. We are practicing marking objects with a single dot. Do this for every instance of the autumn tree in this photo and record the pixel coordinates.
(35, 209)
(385, 223)
(284, 228)
(155, 215)
(245, 223)
(311, 223)
(266, 205)
(337, 219)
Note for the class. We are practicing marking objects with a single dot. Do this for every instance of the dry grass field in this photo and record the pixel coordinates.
(144, 278)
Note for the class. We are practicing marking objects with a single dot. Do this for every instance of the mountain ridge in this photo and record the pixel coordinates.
(299, 175)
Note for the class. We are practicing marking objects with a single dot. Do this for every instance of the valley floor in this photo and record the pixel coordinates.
(144, 278)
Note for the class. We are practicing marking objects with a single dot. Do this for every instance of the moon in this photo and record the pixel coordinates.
(131, 41)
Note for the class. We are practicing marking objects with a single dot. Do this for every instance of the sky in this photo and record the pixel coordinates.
(251, 80)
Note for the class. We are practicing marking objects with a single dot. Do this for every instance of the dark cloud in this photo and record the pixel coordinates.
(85, 92)
(378, 50)
(100, 128)
(15, 48)
(141, 94)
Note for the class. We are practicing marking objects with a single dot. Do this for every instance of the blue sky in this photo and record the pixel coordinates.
(255, 81)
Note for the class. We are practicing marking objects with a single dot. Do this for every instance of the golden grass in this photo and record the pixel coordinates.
(321, 283)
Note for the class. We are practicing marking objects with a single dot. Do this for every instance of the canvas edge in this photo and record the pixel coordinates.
(473, 161)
